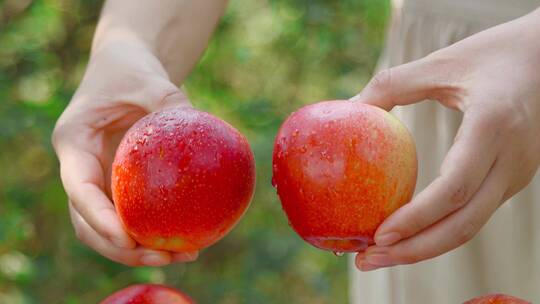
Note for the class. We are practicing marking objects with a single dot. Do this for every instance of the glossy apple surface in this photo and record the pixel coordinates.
(497, 299)
(148, 294)
(340, 169)
(181, 179)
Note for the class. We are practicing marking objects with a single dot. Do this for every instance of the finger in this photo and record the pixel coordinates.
(463, 170)
(362, 264)
(83, 180)
(410, 83)
(176, 99)
(167, 95)
(449, 233)
(131, 257)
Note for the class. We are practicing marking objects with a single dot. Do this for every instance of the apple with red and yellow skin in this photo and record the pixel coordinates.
(341, 168)
(181, 179)
(148, 294)
(497, 299)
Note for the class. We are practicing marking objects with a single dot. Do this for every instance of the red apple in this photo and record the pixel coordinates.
(497, 299)
(181, 179)
(340, 169)
(148, 294)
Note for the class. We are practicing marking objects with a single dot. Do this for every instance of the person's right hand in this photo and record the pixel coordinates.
(123, 82)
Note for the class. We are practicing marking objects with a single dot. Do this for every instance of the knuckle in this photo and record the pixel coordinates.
(486, 122)
(438, 60)
(57, 135)
(409, 259)
(409, 253)
(500, 117)
(465, 232)
(449, 85)
(383, 79)
(454, 67)
(416, 222)
(516, 126)
(63, 132)
(459, 195)
(508, 119)
(82, 235)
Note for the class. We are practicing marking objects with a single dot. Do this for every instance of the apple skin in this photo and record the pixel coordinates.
(341, 168)
(148, 294)
(181, 179)
(496, 299)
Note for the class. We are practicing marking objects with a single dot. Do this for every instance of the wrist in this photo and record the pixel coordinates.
(137, 25)
(122, 37)
(175, 32)
(117, 35)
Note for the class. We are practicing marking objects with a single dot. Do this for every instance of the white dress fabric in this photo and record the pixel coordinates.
(504, 257)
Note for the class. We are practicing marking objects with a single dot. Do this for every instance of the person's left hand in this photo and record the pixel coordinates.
(123, 82)
(493, 78)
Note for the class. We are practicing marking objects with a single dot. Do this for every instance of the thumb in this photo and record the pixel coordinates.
(401, 85)
(168, 95)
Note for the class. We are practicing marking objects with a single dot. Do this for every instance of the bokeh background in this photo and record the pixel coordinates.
(267, 58)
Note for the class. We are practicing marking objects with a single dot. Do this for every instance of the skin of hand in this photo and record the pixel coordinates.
(493, 78)
(138, 53)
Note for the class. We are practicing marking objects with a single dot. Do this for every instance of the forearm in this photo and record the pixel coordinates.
(176, 31)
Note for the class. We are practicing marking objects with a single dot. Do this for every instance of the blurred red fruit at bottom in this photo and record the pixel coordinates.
(496, 299)
(148, 294)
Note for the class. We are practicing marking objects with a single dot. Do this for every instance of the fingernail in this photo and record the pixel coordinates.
(379, 259)
(153, 260)
(192, 256)
(186, 256)
(387, 239)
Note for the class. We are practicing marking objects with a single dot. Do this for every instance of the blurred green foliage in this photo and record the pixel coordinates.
(266, 59)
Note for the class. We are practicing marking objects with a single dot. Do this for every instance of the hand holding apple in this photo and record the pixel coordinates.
(132, 71)
(87, 135)
(495, 153)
